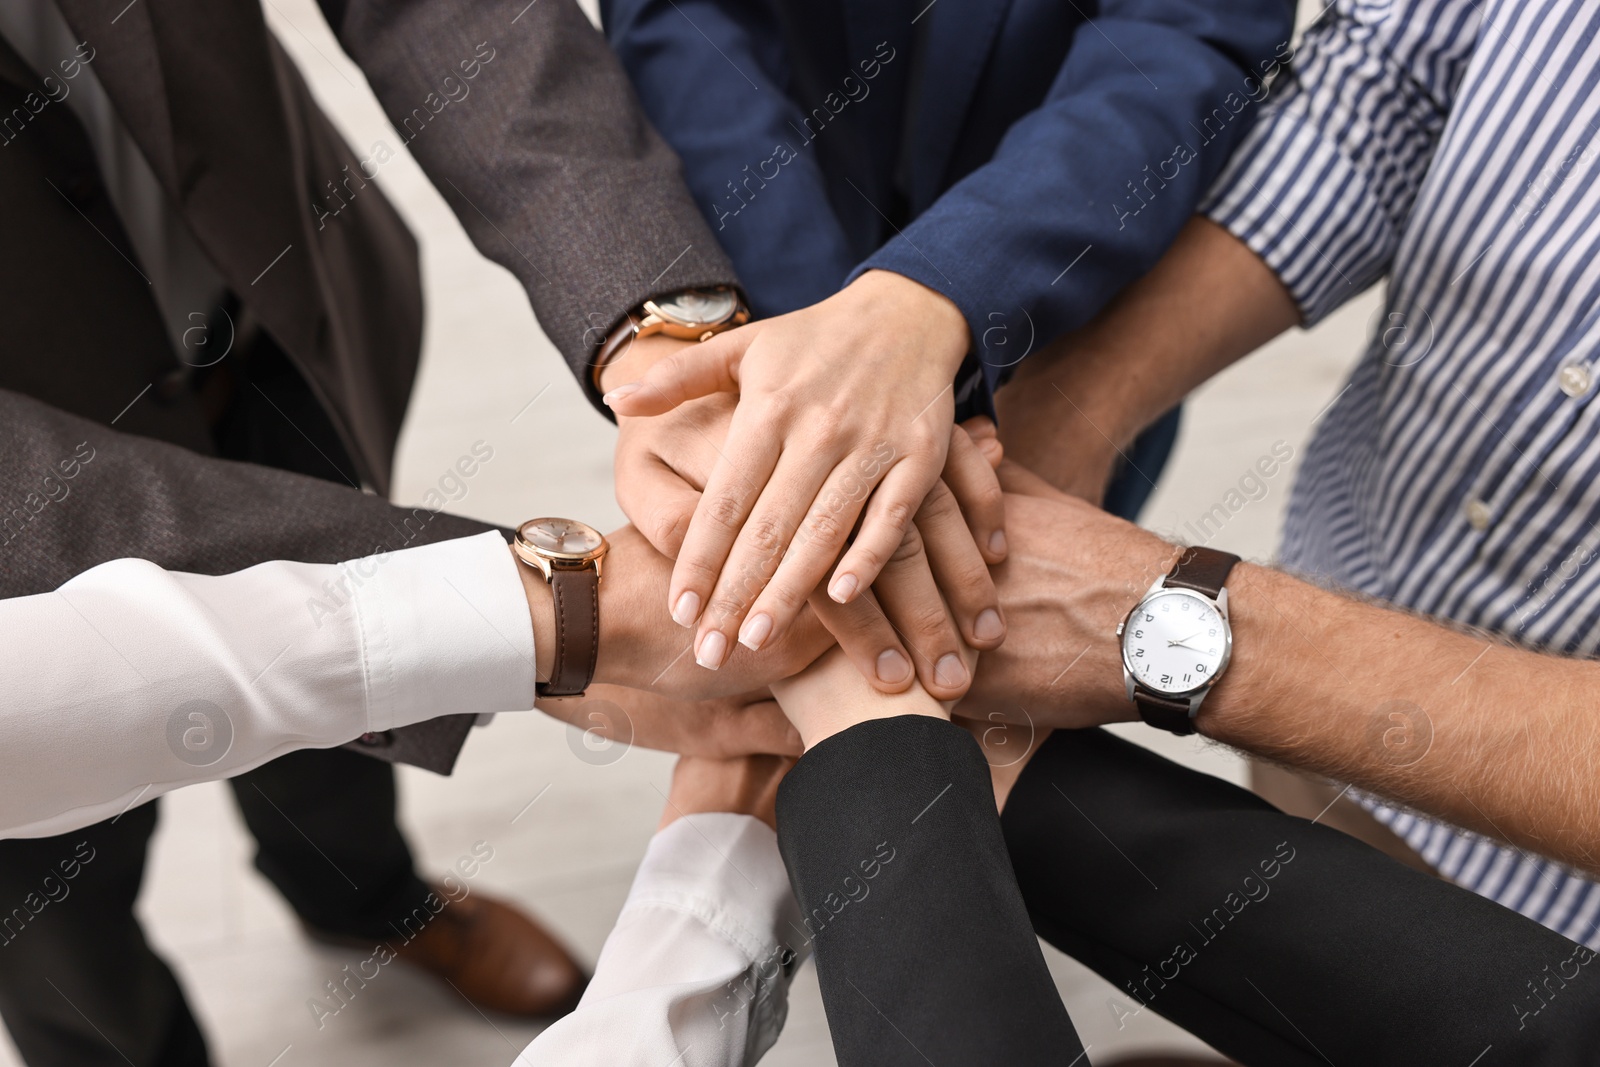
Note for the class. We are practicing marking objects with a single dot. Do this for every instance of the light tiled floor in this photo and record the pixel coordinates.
(488, 374)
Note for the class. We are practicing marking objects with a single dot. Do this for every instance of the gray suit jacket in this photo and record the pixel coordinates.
(523, 120)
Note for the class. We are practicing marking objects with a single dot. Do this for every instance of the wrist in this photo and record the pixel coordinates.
(897, 298)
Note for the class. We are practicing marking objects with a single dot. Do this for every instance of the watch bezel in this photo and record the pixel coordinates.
(545, 559)
(667, 314)
(1221, 607)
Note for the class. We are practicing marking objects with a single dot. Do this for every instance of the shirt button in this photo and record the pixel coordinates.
(1477, 513)
(1574, 379)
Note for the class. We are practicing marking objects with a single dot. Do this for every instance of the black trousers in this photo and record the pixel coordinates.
(79, 984)
(1278, 941)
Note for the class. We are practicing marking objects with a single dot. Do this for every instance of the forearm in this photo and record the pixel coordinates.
(130, 681)
(1208, 303)
(1492, 738)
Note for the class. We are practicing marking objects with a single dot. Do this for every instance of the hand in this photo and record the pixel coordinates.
(726, 728)
(1073, 573)
(747, 785)
(640, 648)
(845, 412)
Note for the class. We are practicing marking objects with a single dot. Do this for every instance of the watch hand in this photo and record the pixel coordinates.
(1183, 641)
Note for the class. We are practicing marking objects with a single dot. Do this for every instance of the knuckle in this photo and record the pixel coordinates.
(928, 619)
(764, 534)
(825, 525)
(725, 510)
(911, 546)
(726, 605)
(665, 527)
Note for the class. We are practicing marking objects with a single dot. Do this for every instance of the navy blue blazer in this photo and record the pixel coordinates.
(1027, 158)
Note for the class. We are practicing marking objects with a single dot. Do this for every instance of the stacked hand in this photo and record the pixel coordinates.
(844, 413)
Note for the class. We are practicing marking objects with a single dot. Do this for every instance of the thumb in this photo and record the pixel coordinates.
(694, 371)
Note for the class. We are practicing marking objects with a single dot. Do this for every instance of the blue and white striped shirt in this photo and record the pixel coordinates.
(1453, 146)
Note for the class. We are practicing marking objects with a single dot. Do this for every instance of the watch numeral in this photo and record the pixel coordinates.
(1138, 633)
(1149, 618)
(1187, 678)
(1166, 679)
(1211, 633)
(1138, 653)
(1201, 667)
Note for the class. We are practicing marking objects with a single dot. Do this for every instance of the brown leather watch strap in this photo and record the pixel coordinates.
(577, 600)
(1164, 713)
(1202, 569)
(619, 337)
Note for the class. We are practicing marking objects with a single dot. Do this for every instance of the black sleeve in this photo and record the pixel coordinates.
(1276, 940)
(923, 947)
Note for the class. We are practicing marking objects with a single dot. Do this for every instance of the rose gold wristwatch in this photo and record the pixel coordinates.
(569, 554)
(689, 314)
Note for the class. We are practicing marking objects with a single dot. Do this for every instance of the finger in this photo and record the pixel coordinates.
(1015, 478)
(718, 517)
(816, 544)
(914, 606)
(883, 526)
(656, 499)
(865, 636)
(976, 488)
(986, 435)
(754, 558)
(959, 570)
(712, 366)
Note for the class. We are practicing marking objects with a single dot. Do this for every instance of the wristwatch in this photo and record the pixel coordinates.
(570, 555)
(690, 314)
(1176, 642)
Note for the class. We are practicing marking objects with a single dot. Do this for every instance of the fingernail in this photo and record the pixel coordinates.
(950, 672)
(988, 626)
(755, 631)
(997, 542)
(687, 608)
(893, 668)
(843, 588)
(712, 649)
(621, 391)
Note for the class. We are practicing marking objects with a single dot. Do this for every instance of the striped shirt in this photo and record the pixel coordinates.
(1452, 146)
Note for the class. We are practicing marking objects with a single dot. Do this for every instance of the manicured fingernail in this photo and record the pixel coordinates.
(997, 542)
(621, 391)
(755, 631)
(843, 588)
(893, 668)
(950, 672)
(712, 649)
(988, 626)
(687, 609)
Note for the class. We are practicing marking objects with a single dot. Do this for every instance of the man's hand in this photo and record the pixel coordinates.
(845, 412)
(640, 647)
(1073, 573)
(744, 725)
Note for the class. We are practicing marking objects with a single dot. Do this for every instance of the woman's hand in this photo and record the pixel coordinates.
(845, 413)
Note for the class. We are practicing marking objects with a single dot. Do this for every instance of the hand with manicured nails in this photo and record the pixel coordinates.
(843, 414)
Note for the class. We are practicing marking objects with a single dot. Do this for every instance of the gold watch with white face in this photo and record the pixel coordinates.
(688, 314)
(571, 555)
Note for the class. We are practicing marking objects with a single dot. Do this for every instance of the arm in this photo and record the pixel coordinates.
(1454, 724)
(1148, 104)
(714, 79)
(889, 831)
(530, 130)
(1230, 918)
(1315, 199)
(697, 970)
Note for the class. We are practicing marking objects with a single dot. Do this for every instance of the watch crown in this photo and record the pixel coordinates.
(1120, 626)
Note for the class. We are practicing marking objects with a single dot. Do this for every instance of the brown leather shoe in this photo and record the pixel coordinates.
(494, 955)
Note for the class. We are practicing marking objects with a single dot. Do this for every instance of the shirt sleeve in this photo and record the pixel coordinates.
(696, 972)
(130, 680)
(1323, 184)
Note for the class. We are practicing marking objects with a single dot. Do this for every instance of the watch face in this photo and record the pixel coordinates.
(561, 538)
(698, 307)
(1176, 642)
